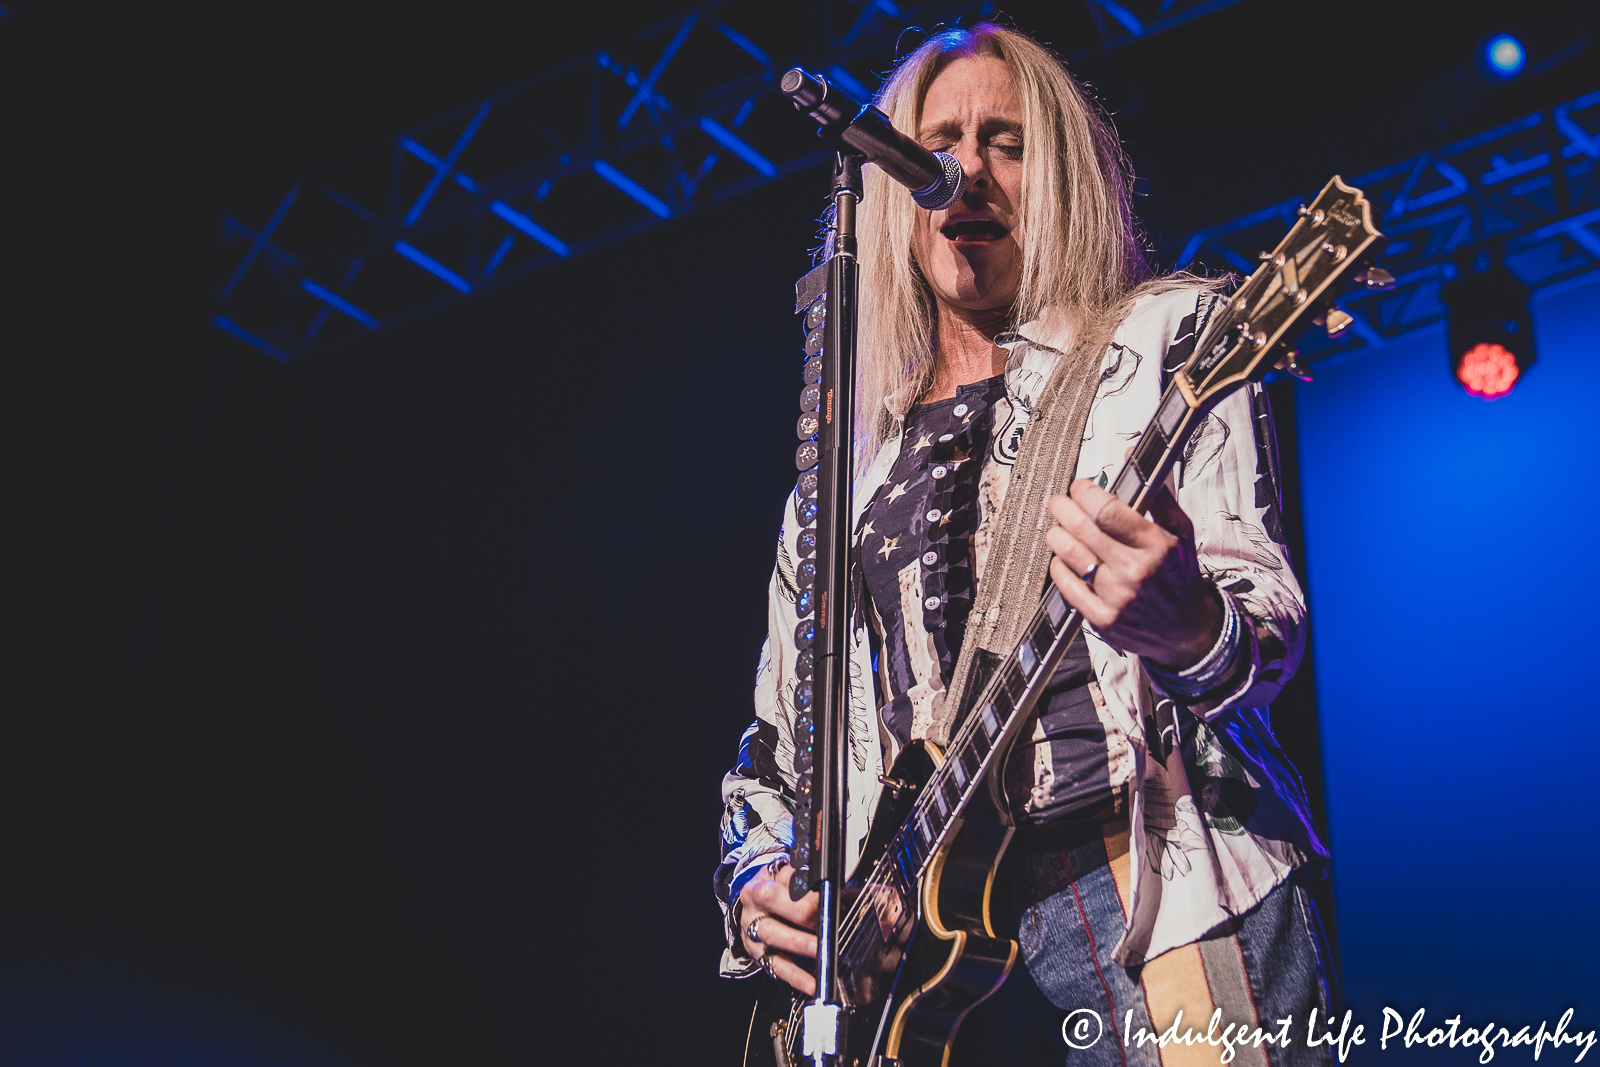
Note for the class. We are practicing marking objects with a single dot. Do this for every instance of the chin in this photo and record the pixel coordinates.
(978, 290)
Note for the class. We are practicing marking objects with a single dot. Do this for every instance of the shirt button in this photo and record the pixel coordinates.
(961, 409)
(946, 437)
(940, 472)
(931, 558)
(931, 603)
(932, 516)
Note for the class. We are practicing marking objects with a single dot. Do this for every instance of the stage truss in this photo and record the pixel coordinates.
(1527, 194)
(683, 116)
(687, 115)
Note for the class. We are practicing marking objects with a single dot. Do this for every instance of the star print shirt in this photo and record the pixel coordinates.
(917, 558)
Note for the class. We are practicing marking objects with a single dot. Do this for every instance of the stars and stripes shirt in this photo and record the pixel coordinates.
(919, 555)
(1218, 816)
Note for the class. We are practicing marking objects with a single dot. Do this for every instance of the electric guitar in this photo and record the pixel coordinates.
(917, 950)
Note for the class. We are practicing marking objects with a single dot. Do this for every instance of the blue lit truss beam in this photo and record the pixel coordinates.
(683, 116)
(1528, 192)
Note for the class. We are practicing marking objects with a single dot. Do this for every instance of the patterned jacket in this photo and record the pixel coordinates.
(1218, 816)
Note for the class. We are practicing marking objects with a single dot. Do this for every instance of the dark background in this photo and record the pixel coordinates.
(373, 707)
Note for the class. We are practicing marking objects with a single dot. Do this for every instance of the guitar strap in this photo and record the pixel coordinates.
(1019, 559)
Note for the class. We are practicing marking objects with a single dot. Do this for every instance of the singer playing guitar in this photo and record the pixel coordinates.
(1164, 849)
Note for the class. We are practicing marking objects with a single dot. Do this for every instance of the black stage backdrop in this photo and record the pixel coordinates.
(378, 703)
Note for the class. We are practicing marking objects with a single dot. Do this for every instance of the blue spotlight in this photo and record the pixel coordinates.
(1504, 55)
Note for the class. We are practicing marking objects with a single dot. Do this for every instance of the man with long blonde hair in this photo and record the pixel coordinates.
(1012, 346)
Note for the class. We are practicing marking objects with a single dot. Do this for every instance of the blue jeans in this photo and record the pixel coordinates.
(1063, 906)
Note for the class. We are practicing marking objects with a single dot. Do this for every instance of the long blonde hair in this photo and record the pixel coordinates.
(1081, 259)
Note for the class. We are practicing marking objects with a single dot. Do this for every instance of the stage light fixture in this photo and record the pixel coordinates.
(1504, 55)
(1490, 330)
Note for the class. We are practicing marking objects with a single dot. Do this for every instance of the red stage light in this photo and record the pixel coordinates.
(1488, 370)
(1490, 330)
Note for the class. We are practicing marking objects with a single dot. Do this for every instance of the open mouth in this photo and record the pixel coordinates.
(973, 230)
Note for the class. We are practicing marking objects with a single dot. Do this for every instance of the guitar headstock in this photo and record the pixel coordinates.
(1332, 242)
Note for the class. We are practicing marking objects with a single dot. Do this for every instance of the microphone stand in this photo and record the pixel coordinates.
(822, 696)
(824, 1029)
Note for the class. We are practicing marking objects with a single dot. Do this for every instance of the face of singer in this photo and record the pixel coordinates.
(971, 252)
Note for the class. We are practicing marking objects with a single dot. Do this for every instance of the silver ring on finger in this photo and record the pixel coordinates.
(750, 931)
(766, 963)
(1087, 577)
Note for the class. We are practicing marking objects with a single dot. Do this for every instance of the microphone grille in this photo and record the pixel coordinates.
(949, 187)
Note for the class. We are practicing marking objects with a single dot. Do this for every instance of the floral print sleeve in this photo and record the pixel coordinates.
(1228, 486)
(758, 801)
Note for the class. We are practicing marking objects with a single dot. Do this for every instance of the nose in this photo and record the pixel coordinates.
(974, 162)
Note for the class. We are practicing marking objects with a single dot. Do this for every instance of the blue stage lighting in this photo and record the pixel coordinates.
(1504, 55)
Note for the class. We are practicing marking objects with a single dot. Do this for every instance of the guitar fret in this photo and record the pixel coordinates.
(1147, 456)
(912, 855)
(1042, 635)
(1173, 408)
(958, 769)
(925, 835)
(991, 722)
(906, 858)
(1027, 658)
(939, 799)
(899, 880)
(1128, 484)
(1055, 606)
(950, 793)
(979, 743)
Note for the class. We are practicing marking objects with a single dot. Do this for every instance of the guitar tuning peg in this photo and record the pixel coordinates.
(1337, 320)
(1290, 363)
(1376, 278)
(1263, 256)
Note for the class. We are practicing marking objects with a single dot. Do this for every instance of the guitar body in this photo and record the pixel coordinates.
(952, 959)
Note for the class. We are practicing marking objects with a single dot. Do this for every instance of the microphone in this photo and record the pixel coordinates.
(935, 178)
